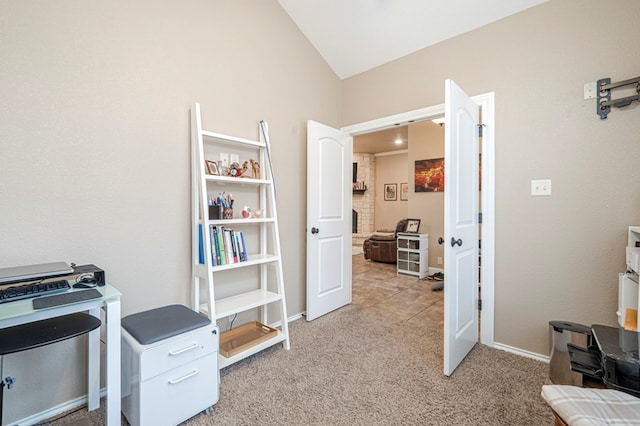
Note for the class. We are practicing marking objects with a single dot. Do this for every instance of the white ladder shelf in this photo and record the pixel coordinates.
(261, 274)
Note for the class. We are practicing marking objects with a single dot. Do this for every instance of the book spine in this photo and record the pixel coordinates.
(227, 249)
(200, 246)
(223, 253)
(212, 237)
(244, 247)
(238, 247)
(214, 243)
(234, 241)
(234, 253)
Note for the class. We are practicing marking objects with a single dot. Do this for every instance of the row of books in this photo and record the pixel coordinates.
(227, 246)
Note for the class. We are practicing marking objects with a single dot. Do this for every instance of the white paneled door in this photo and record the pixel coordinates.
(461, 226)
(329, 168)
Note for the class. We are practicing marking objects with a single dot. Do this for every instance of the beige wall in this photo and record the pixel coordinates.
(390, 169)
(426, 141)
(94, 142)
(557, 258)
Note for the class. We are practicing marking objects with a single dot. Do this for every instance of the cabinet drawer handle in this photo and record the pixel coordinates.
(179, 351)
(185, 377)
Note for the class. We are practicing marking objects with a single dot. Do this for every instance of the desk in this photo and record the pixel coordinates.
(21, 312)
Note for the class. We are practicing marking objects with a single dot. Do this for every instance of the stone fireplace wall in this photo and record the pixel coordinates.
(364, 203)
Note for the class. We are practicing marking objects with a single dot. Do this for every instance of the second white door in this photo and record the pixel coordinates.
(329, 168)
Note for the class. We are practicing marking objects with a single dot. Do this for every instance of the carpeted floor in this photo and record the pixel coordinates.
(350, 368)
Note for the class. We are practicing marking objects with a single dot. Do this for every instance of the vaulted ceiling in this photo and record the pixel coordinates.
(354, 36)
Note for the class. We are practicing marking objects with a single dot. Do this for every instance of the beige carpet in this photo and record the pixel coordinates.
(349, 368)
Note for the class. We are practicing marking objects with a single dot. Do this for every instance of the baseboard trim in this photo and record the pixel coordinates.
(521, 352)
(290, 319)
(51, 413)
(432, 270)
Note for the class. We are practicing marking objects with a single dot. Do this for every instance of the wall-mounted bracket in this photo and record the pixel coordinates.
(604, 101)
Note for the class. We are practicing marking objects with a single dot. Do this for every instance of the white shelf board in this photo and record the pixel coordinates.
(237, 180)
(241, 221)
(254, 259)
(243, 302)
(225, 362)
(232, 139)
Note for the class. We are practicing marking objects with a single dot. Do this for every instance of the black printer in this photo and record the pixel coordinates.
(613, 360)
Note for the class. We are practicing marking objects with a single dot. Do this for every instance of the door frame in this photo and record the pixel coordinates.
(487, 268)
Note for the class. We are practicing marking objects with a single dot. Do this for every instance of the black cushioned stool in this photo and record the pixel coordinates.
(41, 333)
(169, 365)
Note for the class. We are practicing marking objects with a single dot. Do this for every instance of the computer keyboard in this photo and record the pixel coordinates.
(27, 291)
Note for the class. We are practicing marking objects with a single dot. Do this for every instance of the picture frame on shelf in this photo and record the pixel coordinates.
(212, 168)
(390, 191)
(413, 225)
(404, 191)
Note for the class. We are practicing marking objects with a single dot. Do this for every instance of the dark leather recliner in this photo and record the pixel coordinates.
(383, 248)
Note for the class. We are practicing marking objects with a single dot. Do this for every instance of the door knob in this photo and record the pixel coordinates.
(440, 240)
(314, 230)
(454, 242)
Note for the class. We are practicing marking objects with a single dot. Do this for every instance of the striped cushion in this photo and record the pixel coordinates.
(581, 407)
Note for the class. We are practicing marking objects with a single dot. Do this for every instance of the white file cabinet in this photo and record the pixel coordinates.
(168, 381)
(413, 254)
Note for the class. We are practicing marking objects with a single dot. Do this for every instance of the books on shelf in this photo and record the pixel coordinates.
(227, 246)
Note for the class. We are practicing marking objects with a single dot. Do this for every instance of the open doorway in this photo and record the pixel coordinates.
(328, 159)
(387, 158)
(486, 103)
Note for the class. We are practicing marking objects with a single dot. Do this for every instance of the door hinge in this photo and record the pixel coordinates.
(480, 217)
(480, 127)
(479, 304)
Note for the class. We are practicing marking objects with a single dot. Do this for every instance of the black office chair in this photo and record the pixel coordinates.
(41, 333)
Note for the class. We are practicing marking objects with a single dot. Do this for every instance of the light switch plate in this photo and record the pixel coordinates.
(541, 187)
(590, 90)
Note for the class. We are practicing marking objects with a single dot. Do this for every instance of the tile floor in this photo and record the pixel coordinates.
(398, 298)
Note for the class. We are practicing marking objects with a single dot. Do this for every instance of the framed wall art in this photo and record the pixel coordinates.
(390, 191)
(429, 175)
(404, 191)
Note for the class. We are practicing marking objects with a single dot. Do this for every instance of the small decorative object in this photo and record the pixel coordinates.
(212, 167)
(246, 212)
(215, 212)
(245, 169)
(234, 170)
(227, 212)
(412, 225)
(255, 169)
(390, 191)
(257, 213)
